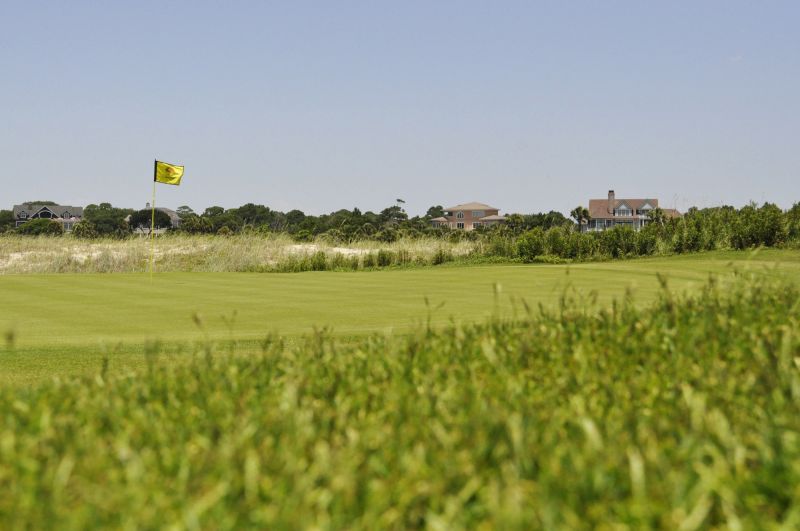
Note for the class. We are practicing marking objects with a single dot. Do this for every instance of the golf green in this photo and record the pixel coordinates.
(51, 311)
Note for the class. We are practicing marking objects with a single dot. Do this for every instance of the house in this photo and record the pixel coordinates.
(469, 216)
(612, 212)
(67, 216)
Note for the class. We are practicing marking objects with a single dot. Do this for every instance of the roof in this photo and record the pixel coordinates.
(58, 210)
(599, 208)
(441, 219)
(471, 206)
(494, 218)
(171, 213)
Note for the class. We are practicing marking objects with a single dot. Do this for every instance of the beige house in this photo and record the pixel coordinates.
(612, 212)
(469, 216)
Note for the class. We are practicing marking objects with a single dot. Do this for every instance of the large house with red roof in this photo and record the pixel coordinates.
(612, 212)
(469, 216)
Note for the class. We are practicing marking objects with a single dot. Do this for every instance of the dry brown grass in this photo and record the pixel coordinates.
(245, 252)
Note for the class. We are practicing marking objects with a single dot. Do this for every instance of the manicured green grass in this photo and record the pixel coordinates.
(64, 324)
(684, 415)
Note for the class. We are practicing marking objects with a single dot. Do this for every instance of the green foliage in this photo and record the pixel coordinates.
(108, 220)
(685, 415)
(40, 227)
(85, 230)
(531, 244)
(142, 219)
(435, 211)
(194, 224)
(7, 221)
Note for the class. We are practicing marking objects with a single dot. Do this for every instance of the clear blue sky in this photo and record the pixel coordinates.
(525, 105)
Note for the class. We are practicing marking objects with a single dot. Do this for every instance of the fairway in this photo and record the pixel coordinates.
(88, 310)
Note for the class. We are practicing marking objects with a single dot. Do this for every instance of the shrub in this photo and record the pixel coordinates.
(85, 230)
(370, 260)
(41, 227)
(441, 256)
(302, 235)
(531, 244)
(385, 258)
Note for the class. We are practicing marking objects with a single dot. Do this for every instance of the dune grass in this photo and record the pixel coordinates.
(65, 324)
(204, 253)
(679, 415)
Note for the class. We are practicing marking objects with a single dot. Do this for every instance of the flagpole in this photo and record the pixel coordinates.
(153, 223)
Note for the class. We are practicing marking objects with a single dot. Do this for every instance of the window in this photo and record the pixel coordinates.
(459, 225)
(460, 215)
(23, 215)
(478, 214)
(476, 225)
(623, 212)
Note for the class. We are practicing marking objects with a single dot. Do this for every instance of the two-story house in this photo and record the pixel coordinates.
(67, 216)
(469, 216)
(612, 212)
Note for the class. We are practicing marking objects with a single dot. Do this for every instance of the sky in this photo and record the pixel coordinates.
(527, 106)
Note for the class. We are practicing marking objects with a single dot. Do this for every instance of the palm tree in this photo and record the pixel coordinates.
(580, 215)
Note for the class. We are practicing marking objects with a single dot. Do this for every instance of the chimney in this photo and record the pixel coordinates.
(611, 204)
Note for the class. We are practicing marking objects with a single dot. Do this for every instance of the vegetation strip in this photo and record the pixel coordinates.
(678, 416)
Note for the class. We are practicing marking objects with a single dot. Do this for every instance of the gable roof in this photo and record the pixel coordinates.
(471, 206)
(600, 208)
(493, 218)
(58, 210)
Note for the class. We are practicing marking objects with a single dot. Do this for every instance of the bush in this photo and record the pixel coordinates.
(441, 256)
(302, 235)
(41, 227)
(619, 242)
(385, 258)
(85, 230)
(531, 244)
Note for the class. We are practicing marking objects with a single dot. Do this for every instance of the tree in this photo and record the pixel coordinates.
(435, 211)
(184, 212)
(580, 215)
(6, 220)
(41, 227)
(213, 211)
(142, 219)
(196, 225)
(254, 215)
(393, 215)
(107, 220)
(294, 218)
(657, 216)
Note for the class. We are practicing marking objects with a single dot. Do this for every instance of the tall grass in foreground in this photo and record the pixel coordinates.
(242, 252)
(681, 416)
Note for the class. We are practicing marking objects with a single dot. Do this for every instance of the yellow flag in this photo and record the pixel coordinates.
(168, 173)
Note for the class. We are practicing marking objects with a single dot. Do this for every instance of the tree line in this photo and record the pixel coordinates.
(388, 224)
(527, 237)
